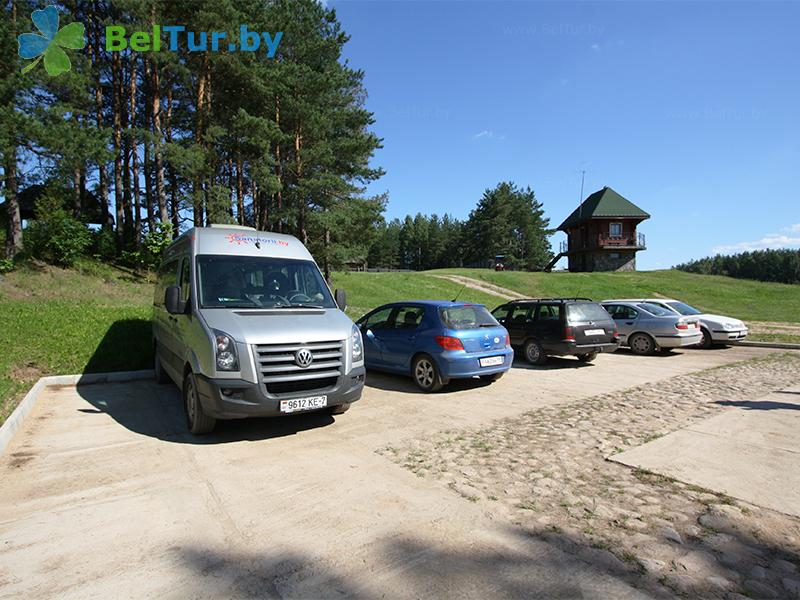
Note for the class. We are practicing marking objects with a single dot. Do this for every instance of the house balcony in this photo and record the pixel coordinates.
(605, 241)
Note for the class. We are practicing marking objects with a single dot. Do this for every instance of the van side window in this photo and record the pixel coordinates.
(167, 276)
(520, 315)
(186, 281)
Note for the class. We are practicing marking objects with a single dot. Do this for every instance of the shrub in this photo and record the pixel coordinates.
(6, 265)
(55, 236)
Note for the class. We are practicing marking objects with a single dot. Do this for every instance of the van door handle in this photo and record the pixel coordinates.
(628, 322)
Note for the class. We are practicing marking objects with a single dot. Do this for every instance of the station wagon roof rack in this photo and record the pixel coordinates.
(561, 299)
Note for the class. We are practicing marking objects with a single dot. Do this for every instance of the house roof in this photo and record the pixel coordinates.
(605, 203)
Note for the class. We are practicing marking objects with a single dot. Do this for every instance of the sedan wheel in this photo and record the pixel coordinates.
(426, 374)
(706, 342)
(641, 343)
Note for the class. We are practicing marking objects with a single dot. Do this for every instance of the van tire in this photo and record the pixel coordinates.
(197, 421)
(426, 374)
(587, 358)
(339, 409)
(534, 352)
(161, 374)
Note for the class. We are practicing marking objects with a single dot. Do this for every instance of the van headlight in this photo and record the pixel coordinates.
(227, 358)
(357, 345)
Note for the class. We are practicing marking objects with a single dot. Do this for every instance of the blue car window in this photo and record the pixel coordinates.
(408, 317)
(378, 320)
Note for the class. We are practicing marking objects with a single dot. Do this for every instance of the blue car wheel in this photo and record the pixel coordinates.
(426, 374)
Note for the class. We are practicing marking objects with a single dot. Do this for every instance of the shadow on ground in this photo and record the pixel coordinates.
(760, 404)
(404, 567)
(391, 382)
(157, 411)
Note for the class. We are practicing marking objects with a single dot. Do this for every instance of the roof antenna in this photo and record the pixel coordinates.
(258, 239)
(459, 293)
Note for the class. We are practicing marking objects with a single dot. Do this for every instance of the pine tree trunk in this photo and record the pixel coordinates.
(102, 173)
(197, 185)
(76, 193)
(117, 136)
(302, 227)
(278, 169)
(137, 205)
(155, 91)
(14, 222)
(239, 189)
(173, 178)
(147, 165)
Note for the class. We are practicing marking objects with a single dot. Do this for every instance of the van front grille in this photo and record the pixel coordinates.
(281, 373)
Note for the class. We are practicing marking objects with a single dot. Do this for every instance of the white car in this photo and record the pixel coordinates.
(716, 329)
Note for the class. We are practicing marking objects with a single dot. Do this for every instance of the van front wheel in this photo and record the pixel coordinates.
(197, 421)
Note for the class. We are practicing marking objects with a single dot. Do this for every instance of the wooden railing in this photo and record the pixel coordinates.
(605, 240)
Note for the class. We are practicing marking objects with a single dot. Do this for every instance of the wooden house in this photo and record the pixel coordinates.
(602, 235)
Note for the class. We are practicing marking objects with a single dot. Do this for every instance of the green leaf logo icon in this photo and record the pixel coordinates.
(49, 43)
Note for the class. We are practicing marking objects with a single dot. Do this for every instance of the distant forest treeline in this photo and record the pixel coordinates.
(507, 220)
(782, 266)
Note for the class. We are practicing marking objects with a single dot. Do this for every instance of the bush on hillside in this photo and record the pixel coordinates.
(55, 236)
(781, 266)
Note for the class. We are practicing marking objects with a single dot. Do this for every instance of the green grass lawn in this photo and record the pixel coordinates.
(365, 291)
(740, 298)
(54, 321)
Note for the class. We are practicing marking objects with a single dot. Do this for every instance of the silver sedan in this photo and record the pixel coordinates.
(646, 328)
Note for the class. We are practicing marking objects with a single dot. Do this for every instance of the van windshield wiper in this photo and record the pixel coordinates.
(295, 305)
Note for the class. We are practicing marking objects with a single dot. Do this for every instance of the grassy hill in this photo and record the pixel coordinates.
(741, 298)
(96, 317)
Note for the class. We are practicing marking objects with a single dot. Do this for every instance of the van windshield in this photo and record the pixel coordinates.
(260, 282)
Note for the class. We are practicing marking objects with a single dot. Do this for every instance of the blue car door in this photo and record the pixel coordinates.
(398, 342)
(372, 327)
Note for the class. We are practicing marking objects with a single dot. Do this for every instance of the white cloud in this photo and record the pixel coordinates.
(488, 135)
(784, 239)
(595, 47)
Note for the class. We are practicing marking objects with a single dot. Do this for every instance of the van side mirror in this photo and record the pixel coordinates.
(341, 299)
(172, 300)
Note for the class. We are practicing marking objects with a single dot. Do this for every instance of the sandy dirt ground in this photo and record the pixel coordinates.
(104, 495)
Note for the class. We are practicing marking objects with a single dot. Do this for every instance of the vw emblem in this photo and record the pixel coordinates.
(303, 357)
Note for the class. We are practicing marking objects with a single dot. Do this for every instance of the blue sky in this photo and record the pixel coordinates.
(689, 109)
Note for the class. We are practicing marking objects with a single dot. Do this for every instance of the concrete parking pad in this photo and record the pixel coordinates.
(104, 495)
(750, 452)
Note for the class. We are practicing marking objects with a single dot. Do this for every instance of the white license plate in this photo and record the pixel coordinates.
(298, 404)
(492, 361)
(594, 331)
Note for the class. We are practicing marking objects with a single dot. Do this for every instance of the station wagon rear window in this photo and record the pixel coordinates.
(260, 282)
(467, 317)
(586, 311)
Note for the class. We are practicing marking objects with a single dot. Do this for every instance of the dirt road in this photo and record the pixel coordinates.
(104, 495)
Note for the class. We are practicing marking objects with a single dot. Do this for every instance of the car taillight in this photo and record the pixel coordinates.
(569, 336)
(449, 343)
(615, 334)
(681, 326)
(508, 341)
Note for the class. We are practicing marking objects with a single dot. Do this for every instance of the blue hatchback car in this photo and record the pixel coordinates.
(435, 341)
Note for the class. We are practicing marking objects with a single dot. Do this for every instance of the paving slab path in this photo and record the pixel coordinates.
(103, 494)
(750, 452)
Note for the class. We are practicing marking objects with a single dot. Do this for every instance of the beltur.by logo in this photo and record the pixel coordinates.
(49, 43)
(117, 39)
